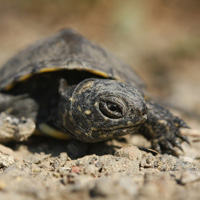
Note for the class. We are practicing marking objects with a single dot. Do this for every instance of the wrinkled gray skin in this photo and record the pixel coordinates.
(89, 94)
(98, 109)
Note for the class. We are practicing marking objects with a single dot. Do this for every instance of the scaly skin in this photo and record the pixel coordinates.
(162, 128)
(15, 129)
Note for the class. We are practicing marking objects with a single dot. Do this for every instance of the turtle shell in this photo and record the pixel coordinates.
(66, 50)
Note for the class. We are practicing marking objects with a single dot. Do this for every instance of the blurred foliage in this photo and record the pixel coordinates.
(187, 49)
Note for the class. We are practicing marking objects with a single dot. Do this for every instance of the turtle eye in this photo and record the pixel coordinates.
(111, 109)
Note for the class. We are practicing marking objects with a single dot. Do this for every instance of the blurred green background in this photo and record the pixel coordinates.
(160, 39)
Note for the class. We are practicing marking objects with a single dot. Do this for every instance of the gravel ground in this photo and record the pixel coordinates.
(44, 168)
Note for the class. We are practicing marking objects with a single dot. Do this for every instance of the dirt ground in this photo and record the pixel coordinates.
(161, 41)
(44, 168)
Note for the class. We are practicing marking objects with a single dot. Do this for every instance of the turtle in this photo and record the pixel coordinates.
(69, 85)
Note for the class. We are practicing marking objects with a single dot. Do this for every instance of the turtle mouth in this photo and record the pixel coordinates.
(136, 126)
(124, 127)
(131, 126)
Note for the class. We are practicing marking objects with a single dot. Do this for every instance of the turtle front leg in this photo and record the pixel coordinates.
(162, 128)
(14, 128)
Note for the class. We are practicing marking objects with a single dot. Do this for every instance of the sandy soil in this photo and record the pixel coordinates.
(45, 168)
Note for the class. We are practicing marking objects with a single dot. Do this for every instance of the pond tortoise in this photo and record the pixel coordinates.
(69, 85)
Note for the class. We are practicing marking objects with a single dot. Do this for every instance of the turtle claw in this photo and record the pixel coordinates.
(156, 146)
(173, 142)
(163, 129)
(184, 139)
(177, 144)
(167, 146)
(164, 145)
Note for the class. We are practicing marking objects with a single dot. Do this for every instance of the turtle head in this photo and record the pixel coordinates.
(100, 109)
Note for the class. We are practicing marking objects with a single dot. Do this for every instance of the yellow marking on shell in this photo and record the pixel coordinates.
(23, 78)
(52, 69)
(81, 67)
(97, 72)
(46, 129)
(8, 87)
(87, 112)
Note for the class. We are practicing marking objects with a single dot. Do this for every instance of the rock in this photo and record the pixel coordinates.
(131, 152)
(6, 160)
